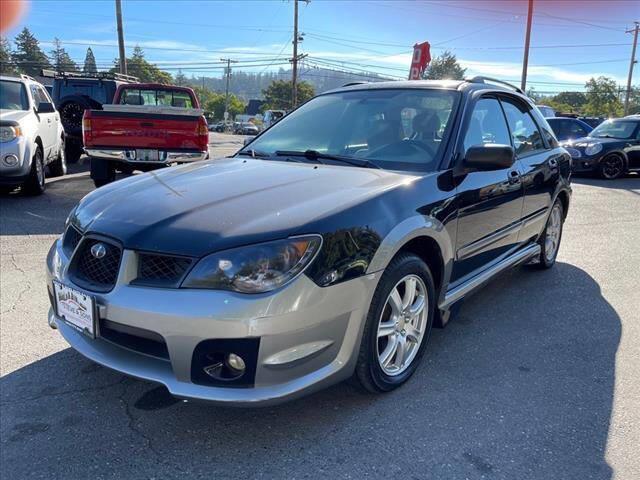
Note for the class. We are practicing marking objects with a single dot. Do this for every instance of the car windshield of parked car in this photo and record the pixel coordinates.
(13, 96)
(394, 129)
(614, 129)
(162, 97)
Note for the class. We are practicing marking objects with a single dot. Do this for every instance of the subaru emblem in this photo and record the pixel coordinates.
(99, 250)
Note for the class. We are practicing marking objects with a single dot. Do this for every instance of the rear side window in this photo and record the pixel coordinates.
(168, 98)
(487, 125)
(524, 131)
(97, 91)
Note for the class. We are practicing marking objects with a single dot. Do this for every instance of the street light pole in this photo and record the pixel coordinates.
(527, 40)
(123, 57)
(633, 61)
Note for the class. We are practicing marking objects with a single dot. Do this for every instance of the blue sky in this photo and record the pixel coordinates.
(571, 40)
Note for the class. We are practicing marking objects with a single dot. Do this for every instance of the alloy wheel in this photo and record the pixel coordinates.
(612, 167)
(402, 325)
(552, 237)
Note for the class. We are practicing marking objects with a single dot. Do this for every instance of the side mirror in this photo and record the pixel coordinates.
(45, 107)
(491, 156)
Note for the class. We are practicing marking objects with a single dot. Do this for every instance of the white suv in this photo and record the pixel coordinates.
(31, 135)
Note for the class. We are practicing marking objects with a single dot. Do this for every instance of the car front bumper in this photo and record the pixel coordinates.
(581, 163)
(17, 173)
(309, 336)
(129, 155)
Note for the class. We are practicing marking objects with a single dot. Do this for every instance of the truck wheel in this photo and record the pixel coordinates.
(72, 152)
(58, 167)
(102, 172)
(35, 184)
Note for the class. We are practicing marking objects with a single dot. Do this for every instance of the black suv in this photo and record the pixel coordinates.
(73, 93)
(329, 246)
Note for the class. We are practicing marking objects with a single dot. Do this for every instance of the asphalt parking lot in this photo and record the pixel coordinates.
(536, 377)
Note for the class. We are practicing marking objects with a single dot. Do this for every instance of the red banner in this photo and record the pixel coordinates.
(420, 61)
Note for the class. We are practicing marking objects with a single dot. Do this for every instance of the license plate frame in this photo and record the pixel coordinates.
(150, 155)
(77, 309)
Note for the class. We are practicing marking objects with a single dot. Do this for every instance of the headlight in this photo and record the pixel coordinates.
(9, 133)
(256, 268)
(593, 148)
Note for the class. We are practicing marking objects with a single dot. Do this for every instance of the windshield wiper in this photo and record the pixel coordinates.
(317, 156)
(253, 153)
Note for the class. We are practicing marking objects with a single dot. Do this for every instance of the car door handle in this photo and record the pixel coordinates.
(553, 163)
(48, 120)
(514, 177)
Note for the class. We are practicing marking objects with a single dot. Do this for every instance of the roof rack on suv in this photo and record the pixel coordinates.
(481, 79)
(27, 77)
(99, 75)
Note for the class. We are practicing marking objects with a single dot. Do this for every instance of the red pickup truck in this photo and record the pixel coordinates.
(148, 126)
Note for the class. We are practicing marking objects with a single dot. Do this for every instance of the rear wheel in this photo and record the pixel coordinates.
(102, 172)
(35, 184)
(73, 151)
(550, 239)
(398, 325)
(58, 167)
(612, 166)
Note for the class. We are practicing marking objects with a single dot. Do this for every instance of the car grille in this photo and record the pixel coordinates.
(91, 272)
(70, 240)
(161, 270)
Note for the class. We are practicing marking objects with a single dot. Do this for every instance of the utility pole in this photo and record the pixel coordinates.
(633, 61)
(527, 40)
(228, 72)
(123, 57)
(294, 77)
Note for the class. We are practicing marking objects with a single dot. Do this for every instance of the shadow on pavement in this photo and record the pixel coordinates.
(519, 385)
(630, 182)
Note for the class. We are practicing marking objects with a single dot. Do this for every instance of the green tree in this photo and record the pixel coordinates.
(444, 67)
(575, 100)
(7, 67)
(90, 66)
(278, 94)
(634, 101)
(138, 66)
(181, 78)
(61, 59)
(216, 101)
(602, 98)
(28, 55)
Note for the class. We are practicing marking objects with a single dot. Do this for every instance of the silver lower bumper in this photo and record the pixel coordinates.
(129, 155)
(309, 336)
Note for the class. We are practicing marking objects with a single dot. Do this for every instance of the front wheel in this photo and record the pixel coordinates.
(398, 325)
(550, 239)
(35, 184)
(612, 167)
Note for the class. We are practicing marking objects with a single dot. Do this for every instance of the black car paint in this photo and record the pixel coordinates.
(628, 148)
(212, 206)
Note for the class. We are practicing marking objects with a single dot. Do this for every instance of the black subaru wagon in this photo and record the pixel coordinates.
(327, 247)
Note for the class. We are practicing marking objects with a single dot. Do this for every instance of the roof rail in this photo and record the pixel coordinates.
(481, 79)
(355, 83)
(99, 75)
(27, 77)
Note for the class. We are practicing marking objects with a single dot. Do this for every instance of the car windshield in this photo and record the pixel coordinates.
(162, 97)
(13, 96)
(614, 129)
(394, 129)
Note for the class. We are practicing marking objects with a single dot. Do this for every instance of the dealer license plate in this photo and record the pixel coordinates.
(75, 308)
(147, 155)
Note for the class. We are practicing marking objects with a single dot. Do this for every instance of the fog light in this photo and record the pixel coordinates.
(235, 362)
(11, 160)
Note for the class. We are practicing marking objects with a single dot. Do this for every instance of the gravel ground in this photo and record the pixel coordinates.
(536, 377)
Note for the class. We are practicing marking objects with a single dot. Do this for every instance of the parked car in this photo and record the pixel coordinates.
(246, 128)
(149, 126)
(546, 111)
(593, 122)
(31, 135)
(321, 250)
(611, 149)
(272, 116)
(568, 129)
(73, 93)
(220, 127)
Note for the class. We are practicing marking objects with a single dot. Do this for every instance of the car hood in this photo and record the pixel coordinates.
(584, 141)
(209, 206)
(13, 115)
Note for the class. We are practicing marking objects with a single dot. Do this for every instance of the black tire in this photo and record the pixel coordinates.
(368, 370)
(35, 184)
(547, 261)
(58, 167)
(73, 151)
(612, 166)
(103, 172)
